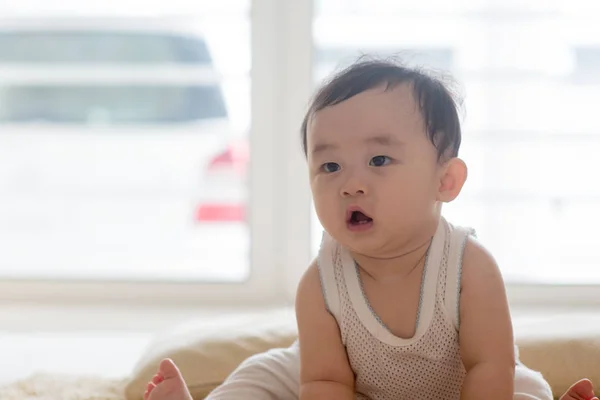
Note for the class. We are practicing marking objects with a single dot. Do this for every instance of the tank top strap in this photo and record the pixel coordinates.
(326, 262)
(458, 240)
(356, 299)
(444, 261)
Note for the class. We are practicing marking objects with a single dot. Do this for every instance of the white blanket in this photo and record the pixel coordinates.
(63, 387)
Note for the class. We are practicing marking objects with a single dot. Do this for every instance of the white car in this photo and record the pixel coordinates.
(106, 127)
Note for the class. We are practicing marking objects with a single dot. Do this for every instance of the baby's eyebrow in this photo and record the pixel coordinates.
(321, 147)
(385, 140)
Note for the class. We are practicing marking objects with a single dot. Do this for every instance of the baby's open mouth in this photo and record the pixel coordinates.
(359, 218)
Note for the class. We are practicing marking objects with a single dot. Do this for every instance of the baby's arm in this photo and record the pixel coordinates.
(486, 336)
(325, 372)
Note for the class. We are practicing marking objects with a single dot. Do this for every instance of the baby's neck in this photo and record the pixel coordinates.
(402, 258)
(392, 268)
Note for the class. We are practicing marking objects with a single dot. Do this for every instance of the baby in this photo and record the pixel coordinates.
(399, 304)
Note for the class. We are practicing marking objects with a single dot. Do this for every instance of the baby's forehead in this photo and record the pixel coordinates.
(375, 111)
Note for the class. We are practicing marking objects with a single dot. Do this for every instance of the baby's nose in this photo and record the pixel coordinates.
(353, 188)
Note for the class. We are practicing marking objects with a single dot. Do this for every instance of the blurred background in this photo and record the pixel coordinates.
(124, 140)
(150, 150)
(125, 126)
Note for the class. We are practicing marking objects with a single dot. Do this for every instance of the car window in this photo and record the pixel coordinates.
(101, 47)
(110, 105)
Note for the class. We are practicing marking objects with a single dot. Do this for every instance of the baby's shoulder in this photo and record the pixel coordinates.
(478, 264)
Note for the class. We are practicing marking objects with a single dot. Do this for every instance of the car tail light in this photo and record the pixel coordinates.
(221, 213)
(234, 159)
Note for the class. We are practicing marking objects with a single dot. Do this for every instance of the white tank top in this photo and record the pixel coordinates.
(426, 366)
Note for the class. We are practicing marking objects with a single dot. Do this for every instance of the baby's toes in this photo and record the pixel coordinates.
(151, 386)
(157, 379)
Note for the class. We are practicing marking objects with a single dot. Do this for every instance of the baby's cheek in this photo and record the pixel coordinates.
(328, 212)
(326, 207)
(401, 207)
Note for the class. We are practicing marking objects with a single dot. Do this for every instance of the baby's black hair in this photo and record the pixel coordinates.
(437, 104)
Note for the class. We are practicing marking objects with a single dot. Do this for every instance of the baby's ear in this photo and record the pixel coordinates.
(453, 175)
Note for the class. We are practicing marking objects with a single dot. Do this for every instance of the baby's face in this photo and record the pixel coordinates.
(374, 173)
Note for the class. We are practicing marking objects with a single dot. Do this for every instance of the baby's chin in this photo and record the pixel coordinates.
(368, 243)
(376, 244)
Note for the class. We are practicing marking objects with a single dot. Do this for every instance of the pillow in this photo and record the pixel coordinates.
(206, 352)
(564, 348)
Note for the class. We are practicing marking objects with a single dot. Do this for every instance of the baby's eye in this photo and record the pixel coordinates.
(330, 167)
(379, 161)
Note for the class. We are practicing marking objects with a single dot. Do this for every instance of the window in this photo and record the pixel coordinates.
(329, 59)
(152, 154)
(124, 146)
(530, 132)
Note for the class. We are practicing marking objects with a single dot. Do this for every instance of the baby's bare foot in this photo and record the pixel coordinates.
(581, 390)
(167, 384)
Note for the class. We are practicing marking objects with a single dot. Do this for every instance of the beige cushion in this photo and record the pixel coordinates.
(206, 352)
(564, 348)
